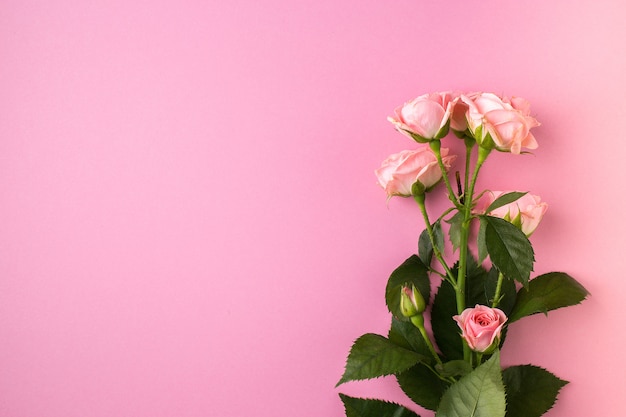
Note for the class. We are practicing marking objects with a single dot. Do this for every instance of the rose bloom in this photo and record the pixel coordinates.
(526, 212)
(507, 121)
(481, 326)
(400, 171)
(425, 117)
(458, 119)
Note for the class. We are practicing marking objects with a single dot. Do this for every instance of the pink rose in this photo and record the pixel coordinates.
(507, 122)
(400, 171)
(425, 117)
(525, 212)
(458, 119)
(481, 326)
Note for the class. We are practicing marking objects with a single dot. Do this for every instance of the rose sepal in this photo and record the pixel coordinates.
(443, 132)
(417, 138)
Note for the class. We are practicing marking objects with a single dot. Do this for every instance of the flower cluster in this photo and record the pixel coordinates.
(453, 365)
(490, 121)
(494, 122)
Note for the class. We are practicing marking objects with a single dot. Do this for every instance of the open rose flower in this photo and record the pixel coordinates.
(426, 117)
(525, 212)
(481, 327)
(505, 122)
(400, 171)
(458, 119)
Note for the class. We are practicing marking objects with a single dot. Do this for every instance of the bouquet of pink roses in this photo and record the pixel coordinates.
(454, 369)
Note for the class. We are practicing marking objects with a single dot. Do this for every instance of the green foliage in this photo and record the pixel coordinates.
(478, 394)
(530, 390)
(361, 407)
(454, 368)
(419, 382)
(406, 335)
(509, 249)
(480, 241)
(476, 281)
(456, 222)
(547, 292)
(425, 246)
(412, 271)
(446, 332)
(421, 385)
(373, 356)
(505, 199)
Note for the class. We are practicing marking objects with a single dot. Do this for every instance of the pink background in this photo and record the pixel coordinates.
(190, 225)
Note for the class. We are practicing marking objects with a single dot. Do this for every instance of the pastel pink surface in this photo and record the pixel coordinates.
(190, 224)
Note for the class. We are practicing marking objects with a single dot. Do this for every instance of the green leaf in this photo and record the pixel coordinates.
(548, 292)
(480, 241)
(456, 223)
(439, 239)
(412, 271)
(361, 407)
(505, 199)
(425, 248)
(406, 335)
(446, 331)
(422, 386)
(425, 245)
(478, 394)
(457, 367)
(373, 356)
(509, 249)
(530, 390)
(476, 279)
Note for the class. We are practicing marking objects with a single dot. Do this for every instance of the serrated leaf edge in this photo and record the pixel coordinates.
(342, 396)
(398, 371)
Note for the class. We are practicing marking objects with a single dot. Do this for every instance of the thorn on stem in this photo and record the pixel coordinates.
(459, 187)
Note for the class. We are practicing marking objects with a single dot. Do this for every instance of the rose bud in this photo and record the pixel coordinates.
(412, 302)
(526, 212)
